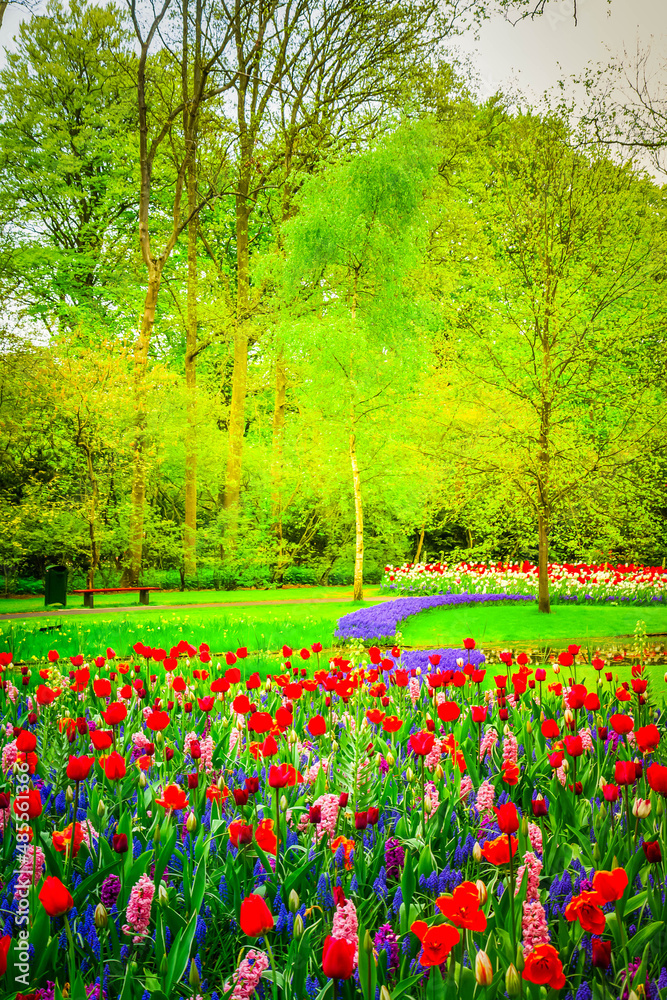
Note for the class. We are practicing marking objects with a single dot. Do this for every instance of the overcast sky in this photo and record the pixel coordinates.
(534, 54)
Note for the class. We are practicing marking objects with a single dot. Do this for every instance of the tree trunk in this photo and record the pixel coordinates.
(277, 455)
(3, 7)
(92, 517)
(419, 544)
(190, 526)
(544, 604)
(239, 372)
(358, 521)
(140, 419)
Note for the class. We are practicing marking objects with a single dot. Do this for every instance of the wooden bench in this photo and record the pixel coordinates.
(88, 594)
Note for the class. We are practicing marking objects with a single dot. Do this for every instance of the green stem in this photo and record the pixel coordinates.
(627, 812)
(423, 802)
(70, 860)
(274, 971)
(509, 841)
(72, 963)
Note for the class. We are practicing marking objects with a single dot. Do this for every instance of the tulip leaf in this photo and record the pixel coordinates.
(166, 852)
(367, 969)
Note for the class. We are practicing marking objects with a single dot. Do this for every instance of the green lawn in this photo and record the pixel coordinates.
(519, 625)
(258, 628)
(166, 598)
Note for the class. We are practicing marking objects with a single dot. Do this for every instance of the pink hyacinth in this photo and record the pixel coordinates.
(234, 742)
(414, 690)
(535, 835)
(139, 739)
(139, 909)
(346, 926)
(534, 926)
(486, 796)
(534, 867)
(9, 755)
(586, 738)
(510, 750)
(432, 759)
(466, 787)
(489, 740)
(329, 807)
(32, 866)
(247, 977)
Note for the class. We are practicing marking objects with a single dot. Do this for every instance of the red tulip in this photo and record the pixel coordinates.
(610, 885)
(157, 721)
(508, 818)
(468, 643)
(26, 742)
(115, 713)
(647, 738)
(173, 798)
(479, 713)
(102, 687)
(119, 843)
(79, 768)
(652, 851)
(610, 793)
(256, 918)
(114, 766)
(574, 746)
(625, 772)
(422, 743)
(338, 958)
(55, 898)
(550, 729)
(241, 704)
(539, 806)
(29, 802)
(101, 739)
(448, 711)
(601, 954)
(317, 726)
(277, 777)
(240, 796)
(656, 775)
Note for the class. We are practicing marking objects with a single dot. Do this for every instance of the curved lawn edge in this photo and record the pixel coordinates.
(381, 621)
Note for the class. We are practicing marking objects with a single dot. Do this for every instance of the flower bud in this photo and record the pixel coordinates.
(477, 852)
(283, 804)
(101, 809)
(524, 826)
(568, 717)
(391, 760)
(385, 994)
(156, 836)
(297, 930)
(292, 738)
(520, 960)
(529, 727)
(164, 965)
(427, 803)
(193, 978)
(69, 795)
(512, 982)
(659, 809)
(191, 823)
(483, 969)
(368, 943)
(293, 901)
(597, 854)
(566, 766)
(158, 739)
(101, 916)
(481, 891)
(409, 775)
(142, 780)
(439, 772)
(641, 808)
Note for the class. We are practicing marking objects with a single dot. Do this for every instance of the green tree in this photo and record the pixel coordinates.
(356, 259)
(553, 325)
(66, 167)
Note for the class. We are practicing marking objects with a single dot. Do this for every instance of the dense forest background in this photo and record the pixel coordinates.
(283, 302)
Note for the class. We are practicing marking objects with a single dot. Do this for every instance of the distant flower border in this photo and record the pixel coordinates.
(380, 622)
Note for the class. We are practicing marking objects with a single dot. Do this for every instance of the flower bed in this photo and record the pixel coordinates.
(173, 826)
(381, 621)
(583, 583)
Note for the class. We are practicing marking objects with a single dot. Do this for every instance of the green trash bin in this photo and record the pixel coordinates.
(55, 586)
